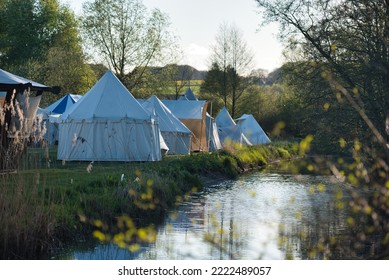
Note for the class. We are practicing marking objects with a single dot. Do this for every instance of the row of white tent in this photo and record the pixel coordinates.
(109, 124)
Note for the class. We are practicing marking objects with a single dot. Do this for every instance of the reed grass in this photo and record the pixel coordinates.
(26, 218)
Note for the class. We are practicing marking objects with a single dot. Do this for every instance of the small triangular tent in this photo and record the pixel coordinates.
(193, 115)
(228, 130)
(190, 95)
(212, 134)
(176, 135)
(183, 98)
(252, 130)
(108, 124)
(63, 104)
(52, 114)
(223, 119)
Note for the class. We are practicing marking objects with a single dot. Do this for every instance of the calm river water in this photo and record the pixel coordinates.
(261, 215)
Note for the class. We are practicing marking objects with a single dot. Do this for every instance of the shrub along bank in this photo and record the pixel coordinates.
(48, 202)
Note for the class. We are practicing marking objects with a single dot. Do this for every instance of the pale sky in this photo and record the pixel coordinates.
(196, 24)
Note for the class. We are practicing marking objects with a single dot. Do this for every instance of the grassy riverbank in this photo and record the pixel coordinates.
(48, 202)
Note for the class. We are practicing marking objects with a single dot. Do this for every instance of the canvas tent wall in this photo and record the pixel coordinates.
(176, 135)
(212, 134)
(228, 130)
(252, 130)
(52, 114)
(211, 130)
(193, 115)
(108, 124)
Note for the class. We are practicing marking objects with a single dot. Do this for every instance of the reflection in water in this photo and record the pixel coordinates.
(260, 216)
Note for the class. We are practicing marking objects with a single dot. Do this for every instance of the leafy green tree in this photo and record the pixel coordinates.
(40, 40)
(67, 69)
(343, 55)
(19, 29)
(215, 83)
(31, 27)
(127, 36)
(347, 37)
(226, 84)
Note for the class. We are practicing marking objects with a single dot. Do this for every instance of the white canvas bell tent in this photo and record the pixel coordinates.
(252, 130)
(108, 124)
(193, 115)
(176, 135)
(228, 130)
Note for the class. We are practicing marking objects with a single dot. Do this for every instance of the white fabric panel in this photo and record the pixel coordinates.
(52, 133)
(55, 118)
(223, 119)
(162, 144)
(234, 134)
(125, 140)
(186, 109)
(228, 130)
(167, 120)
(213, 135)
(178, 143)
(252, 130)
(176, 135)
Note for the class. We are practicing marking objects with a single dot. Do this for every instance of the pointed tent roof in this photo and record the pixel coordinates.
(190, 95)
(107, 99)
(61, 105)
(183, 98)
(186, 109)
(167, 121)
(223, 119)
(228, 129)
(252, 130)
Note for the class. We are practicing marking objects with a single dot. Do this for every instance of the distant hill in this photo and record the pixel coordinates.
(190, 72)
(186, 72)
